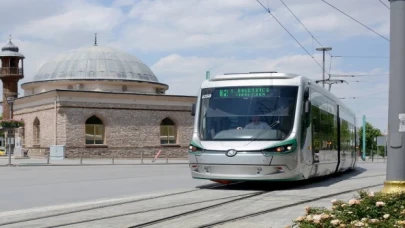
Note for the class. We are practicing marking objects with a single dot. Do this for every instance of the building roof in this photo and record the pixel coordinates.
(95, 62)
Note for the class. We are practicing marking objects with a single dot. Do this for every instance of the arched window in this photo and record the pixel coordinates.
(167, 132)
(94, 131)
(37, 132)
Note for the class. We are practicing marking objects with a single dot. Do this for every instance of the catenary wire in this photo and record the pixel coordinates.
(268, 11)
(358, 56)
(384, 4)
(313, 37)
(355, 20)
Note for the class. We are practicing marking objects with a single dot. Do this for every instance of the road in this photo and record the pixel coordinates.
(30, 187)
(236, 205)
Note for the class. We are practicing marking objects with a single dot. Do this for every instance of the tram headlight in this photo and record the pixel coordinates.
(280, 149)
(192, 148)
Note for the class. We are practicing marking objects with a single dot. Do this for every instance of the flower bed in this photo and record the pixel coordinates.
(11, 123)
(367, 210)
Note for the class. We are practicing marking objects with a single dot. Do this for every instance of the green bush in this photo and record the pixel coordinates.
(368, 209)
(11, 123)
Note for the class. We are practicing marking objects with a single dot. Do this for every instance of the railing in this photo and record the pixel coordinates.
(4, 71)
(42, 157)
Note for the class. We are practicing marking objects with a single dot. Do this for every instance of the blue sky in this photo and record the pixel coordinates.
(182, 39)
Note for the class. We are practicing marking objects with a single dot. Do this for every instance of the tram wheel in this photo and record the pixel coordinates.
(222, 181)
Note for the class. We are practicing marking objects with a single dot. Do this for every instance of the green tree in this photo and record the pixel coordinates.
(371, 134)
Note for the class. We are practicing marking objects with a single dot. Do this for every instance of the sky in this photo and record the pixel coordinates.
(181, 40)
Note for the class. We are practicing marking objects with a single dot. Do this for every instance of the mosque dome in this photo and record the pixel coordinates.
(10, 50)
(10, 47)
(95, 63)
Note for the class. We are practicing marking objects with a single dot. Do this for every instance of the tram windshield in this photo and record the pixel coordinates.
(247, 113)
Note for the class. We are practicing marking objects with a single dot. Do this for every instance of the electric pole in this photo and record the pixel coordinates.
(395, 180)
(323, 49)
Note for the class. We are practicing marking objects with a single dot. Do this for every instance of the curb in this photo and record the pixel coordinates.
(41, 164)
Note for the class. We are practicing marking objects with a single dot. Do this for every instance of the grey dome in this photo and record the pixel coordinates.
(10, 50)
(10, 47)
(95, 63)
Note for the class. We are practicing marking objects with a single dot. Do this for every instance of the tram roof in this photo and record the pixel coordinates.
(253, 75)
(275, 75)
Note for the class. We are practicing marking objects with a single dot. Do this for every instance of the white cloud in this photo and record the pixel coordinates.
(84, 18)
(169, 25)
(186, 38)
(185, 75)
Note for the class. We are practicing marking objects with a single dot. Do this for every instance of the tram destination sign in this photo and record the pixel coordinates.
(244, 92)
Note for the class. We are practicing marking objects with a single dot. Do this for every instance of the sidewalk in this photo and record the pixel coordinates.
(42, 161)
(89, 161)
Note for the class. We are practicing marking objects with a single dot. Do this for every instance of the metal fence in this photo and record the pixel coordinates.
(159, 157)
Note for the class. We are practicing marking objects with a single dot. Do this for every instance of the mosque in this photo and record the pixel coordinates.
(95, 102)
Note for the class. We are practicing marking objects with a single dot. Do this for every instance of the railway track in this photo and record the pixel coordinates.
(211, 186)
(229, 200)
(282, 207)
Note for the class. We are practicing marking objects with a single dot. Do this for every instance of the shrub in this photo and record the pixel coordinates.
(11, 123)
(368, 209)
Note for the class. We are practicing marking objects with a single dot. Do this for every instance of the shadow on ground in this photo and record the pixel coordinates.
(288, 185)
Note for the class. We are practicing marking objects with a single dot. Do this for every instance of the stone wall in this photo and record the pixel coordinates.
(130, 129)
(127, 125)
(46, 117)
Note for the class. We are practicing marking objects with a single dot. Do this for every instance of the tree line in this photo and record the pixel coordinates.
(371, 144)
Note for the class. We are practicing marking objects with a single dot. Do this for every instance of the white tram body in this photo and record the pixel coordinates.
(269, 126)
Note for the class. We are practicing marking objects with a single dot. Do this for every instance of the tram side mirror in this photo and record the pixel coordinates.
(193, 110)
(306, 94)
(307, 106)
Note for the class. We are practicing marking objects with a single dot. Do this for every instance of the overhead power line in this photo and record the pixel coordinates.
(355, 20)
(358, 56)
(368, 96)
(357, 75)
(373, 98)
(384, 4)
(290, 34)
(303, 25)
(372, 82)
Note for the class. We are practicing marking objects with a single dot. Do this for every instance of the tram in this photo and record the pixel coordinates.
(269, 126)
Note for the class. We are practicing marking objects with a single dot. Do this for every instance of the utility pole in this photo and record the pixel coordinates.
(363, 156)
(395, 180)
(323, 49)
(207, 75)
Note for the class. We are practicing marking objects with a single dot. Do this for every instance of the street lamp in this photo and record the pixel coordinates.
(10, 101)
(323, 49)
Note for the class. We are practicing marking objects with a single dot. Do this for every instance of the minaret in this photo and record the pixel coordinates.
(10, 73)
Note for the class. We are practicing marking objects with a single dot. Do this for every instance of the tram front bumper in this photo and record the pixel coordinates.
(243, 172)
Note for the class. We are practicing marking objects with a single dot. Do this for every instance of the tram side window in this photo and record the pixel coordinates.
(345, 136)
(352, 139)
(328, 131)
(324, 130)
(316, 130)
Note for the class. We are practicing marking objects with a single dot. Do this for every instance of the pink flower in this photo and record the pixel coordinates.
(335, 222)
(354, 201)
(359, 224)
(301, 218)
(373, 221)
(317, 217)
(379, 204)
